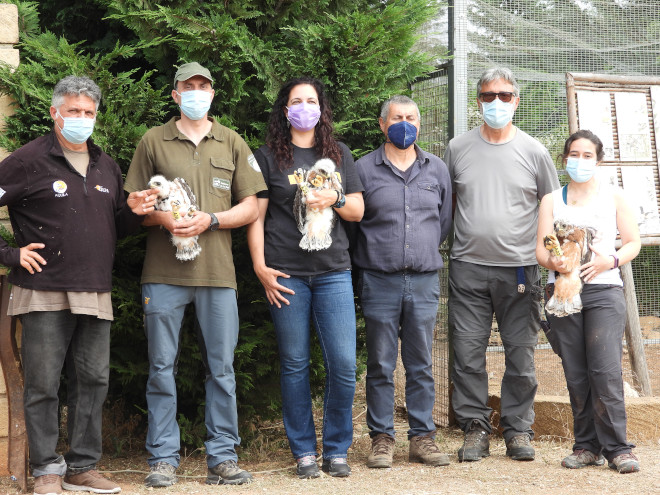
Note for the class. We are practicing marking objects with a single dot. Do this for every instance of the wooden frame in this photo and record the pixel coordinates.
(636, 169)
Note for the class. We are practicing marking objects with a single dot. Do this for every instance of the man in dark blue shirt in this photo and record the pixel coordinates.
(407, 197)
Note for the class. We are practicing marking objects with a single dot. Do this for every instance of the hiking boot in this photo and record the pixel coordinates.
(307, 468)
(476, 444)
(582, 458)
(519, 448)
(161, 474)
(89, 481)
(424, 449)
(48, 484)
(337, 467)
(227, 473)
(625, 463)
(382, 451)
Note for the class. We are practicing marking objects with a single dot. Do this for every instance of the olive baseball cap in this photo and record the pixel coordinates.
(186, 71)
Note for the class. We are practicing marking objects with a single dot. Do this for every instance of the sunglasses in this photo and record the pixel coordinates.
(504, 96)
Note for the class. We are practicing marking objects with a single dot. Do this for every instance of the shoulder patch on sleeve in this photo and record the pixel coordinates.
(253, 163)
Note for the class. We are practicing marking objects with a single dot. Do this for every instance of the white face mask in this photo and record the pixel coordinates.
(195, 103)
(581, 169)
(76, 130)
(497, 114)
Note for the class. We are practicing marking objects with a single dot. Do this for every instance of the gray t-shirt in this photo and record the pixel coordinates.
(497, 188)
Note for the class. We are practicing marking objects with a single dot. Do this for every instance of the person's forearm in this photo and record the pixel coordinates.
(627, 252)
(156, 218)
(245, 212)
(353, 210)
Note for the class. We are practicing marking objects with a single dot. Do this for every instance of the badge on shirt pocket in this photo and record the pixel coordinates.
(219, 183)
(221, 174)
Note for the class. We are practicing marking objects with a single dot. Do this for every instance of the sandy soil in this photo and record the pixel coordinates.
(494, 475)
(269, 461)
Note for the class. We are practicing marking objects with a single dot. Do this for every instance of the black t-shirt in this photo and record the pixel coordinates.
(281, 234)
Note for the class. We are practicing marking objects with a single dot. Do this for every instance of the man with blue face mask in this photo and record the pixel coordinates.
(67, 207)
(224, 176)
(407, 215)
(499, 173)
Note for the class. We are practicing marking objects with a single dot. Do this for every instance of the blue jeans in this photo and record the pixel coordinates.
(217, 315)
(328, 300)
(400, 305)
(49, 339)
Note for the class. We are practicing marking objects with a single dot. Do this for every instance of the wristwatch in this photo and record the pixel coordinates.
(215, 225)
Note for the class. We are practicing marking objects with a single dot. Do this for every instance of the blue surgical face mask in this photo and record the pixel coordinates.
(497, 114)
(402, 134)
(580, 169)
(76, 130)
(195, 103)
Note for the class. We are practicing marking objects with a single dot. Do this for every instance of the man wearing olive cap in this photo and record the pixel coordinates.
(219, 168)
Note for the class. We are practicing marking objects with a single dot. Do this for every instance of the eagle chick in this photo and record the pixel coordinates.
(177, 197)
(315, 225)
(573, 242)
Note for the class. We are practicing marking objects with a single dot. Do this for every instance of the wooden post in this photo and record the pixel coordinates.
(634, 334)
(571, 103)
(13, 373)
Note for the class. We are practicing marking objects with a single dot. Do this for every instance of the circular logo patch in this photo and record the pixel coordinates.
(59, 186)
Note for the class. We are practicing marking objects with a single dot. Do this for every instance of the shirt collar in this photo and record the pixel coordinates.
(381, 157)
(172, 132)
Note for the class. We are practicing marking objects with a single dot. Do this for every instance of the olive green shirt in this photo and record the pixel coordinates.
(220, 170)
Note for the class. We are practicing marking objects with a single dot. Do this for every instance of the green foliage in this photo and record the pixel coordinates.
(28, 17)
(361, 49)
(7, 236)
(129, 107)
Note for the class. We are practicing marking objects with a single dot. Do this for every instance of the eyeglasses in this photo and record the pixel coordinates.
(504, 96)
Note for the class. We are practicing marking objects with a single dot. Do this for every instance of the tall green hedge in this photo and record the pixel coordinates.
(361, 49)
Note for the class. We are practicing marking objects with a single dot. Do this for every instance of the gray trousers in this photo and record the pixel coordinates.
(590, 345)
(476, 292)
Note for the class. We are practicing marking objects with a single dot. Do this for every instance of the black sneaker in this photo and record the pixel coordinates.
(337, 467)
(519, 448)
(476, 444)
(161, 474)
(227, 473)
(307, 468)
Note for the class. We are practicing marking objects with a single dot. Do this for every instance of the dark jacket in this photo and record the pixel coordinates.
(77, 218)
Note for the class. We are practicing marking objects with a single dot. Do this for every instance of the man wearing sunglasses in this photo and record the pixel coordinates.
(499, 173)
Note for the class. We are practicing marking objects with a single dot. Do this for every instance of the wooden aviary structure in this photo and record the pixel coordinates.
(624, 112)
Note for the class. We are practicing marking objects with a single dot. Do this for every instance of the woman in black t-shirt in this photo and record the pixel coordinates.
(299, 251)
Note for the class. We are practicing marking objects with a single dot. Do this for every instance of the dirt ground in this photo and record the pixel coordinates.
(269, 460)
(494, 475)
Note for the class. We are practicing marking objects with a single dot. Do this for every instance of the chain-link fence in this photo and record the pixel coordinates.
(542, 40)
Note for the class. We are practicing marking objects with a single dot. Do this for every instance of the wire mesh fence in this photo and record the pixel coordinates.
(542, 40)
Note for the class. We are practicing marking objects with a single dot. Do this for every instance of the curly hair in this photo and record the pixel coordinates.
(278, 137)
